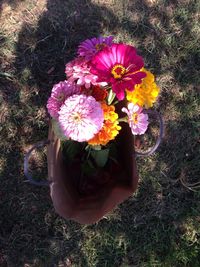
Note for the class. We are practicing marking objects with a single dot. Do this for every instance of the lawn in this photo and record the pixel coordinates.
(159, 226)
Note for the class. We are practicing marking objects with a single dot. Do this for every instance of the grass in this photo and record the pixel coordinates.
(160, 224)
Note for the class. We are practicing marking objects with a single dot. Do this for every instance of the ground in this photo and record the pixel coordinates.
(160, 224)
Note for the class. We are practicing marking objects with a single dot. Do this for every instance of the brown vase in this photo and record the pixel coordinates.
(113, 186)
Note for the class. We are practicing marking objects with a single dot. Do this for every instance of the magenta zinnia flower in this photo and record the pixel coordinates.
(137, 120)
(78, 71)
(90, 47)
(119, 65)
(81, 117)
(59, 94)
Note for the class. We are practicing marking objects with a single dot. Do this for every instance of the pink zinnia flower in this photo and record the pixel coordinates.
(78, 71)
(90, 47)
(137, 120)
(59, 94)
(81, 117)
(119, 65)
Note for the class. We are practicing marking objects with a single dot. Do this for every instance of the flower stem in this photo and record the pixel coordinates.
(125, 119)
(111, 97)
(116, 102)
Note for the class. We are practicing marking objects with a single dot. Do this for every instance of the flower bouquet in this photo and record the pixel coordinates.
(95, 113)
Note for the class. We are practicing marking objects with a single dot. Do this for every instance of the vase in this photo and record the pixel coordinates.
(114, 186)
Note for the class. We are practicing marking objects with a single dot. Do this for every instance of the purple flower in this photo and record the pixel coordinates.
(137, 120)
(59, 94)
(81, 117)
(90, 47)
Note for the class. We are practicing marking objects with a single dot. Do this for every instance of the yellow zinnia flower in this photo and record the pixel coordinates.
(144, 94)
(110, 127)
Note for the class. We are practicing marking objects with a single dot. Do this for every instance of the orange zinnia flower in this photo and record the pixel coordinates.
(110, 127)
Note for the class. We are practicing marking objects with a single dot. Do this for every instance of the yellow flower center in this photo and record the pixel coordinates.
(100, 46)
(135, 118)
(118, 71)
(76, 117)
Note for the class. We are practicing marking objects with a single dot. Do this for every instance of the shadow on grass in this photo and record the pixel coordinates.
(148, 227)
(30, 230)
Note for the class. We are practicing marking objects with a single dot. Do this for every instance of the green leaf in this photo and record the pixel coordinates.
(70, 149)
(87, 168)
(97, 147)
(58, 131)
(100, 157)
(113, 154)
